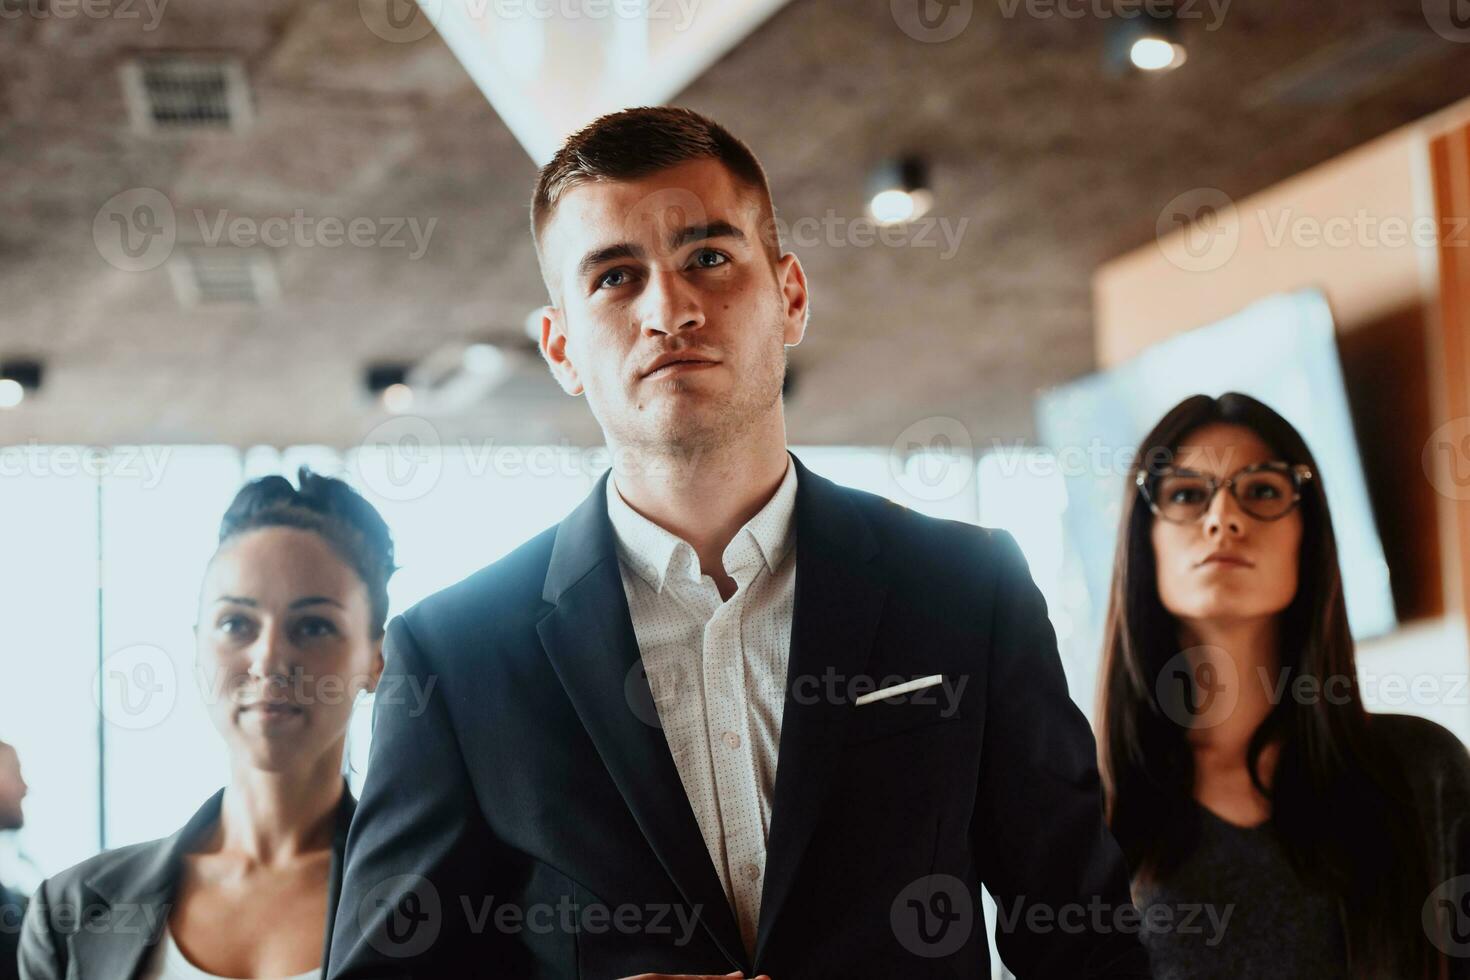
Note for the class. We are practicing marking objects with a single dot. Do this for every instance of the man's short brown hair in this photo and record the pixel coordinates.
(635, 143)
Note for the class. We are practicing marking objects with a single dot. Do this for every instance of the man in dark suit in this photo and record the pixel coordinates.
(12, 817)
(589, 786)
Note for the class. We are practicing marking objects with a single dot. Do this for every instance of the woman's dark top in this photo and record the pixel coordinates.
(1236, 908)
(101, 919)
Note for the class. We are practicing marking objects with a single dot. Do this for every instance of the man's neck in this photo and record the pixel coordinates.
(706, 498)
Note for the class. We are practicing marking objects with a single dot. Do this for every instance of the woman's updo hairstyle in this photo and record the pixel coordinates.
(329, 507)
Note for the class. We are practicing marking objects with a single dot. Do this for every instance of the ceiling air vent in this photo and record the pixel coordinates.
(186, 93)
(223, 277)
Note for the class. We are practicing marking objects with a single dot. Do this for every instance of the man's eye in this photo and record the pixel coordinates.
(613, 279)
(708, 258)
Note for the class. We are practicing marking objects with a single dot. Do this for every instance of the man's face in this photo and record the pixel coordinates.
(12, 789)
(670, 313)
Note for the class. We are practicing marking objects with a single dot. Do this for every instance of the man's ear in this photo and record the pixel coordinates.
(554, 349)
(794, 298)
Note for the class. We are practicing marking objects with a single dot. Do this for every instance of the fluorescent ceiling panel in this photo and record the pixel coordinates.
(550, 67)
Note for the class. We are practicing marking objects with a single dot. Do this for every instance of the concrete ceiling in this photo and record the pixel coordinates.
(1054, 164)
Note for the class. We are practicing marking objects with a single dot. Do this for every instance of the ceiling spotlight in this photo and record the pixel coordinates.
(17, 380)
(1148, 43)
(1156, 54)
(899, 191)
(397, 398)
(388, 383)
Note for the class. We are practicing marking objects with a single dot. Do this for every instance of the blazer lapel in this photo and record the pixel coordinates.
(589, 639)
(134, 898)
(345, 809)
(839, 601)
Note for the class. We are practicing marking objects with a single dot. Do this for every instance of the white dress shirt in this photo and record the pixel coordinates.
(717, 670)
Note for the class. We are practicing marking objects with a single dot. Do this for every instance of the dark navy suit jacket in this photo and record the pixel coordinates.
(523, 816)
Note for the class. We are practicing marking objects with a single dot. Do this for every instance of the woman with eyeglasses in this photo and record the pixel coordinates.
(1274, 827)
(290, 632)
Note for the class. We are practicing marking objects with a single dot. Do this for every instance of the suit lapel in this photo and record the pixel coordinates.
(345, 810)
(838, 604)
(590, 641)
(134, 898)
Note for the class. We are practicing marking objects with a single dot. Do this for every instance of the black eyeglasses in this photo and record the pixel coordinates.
(1265, 491)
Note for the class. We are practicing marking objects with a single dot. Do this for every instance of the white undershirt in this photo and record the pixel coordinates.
(169, 963)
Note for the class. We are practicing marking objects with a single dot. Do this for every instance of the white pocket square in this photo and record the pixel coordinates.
(903, 688)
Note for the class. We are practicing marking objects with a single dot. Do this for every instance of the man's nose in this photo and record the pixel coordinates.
(669, 305)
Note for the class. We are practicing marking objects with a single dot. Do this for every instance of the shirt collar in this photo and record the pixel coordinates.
(650, 550)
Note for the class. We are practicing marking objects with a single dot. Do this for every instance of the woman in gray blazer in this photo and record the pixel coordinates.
(290, 632)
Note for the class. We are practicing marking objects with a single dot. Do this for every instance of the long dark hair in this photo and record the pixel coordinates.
(1339, 805)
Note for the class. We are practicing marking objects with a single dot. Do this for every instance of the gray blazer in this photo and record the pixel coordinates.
(100, 919)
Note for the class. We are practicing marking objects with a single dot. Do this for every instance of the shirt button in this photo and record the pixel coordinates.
(752, 872)
(732, 740)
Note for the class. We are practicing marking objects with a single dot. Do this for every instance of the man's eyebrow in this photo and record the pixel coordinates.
(622, 250)
(699, 233)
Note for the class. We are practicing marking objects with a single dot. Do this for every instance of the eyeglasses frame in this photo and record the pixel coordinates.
(1300, 473)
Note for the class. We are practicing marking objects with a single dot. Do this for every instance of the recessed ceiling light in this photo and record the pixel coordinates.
(900, 191)
(1146, 43)
(397, 398)
(17, 380)
(1156, 54)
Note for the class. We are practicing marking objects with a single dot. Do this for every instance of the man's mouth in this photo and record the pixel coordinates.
(679, 366)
